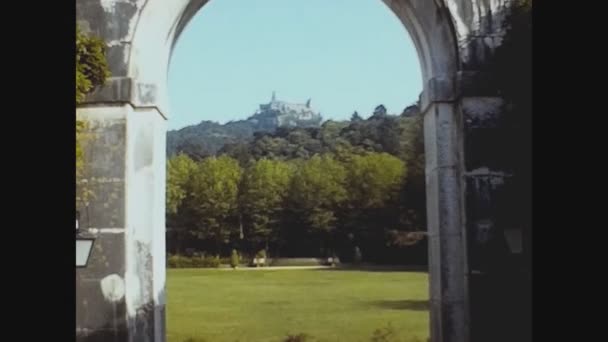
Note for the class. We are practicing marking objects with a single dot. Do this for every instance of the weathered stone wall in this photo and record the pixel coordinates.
(100, 297)
(479, 29)
(120, 294)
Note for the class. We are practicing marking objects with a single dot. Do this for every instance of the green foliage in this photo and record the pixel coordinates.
(215, 198)
(261, 254)
(91, 71)
(404, 238)
(207, 138)
(80, 127)
(91, 64)
(210, 262)
(234, 259)
(302, 190)
(180, 170)
(181, 218)
(374, 179)
(264, 191)
(318, 188)
(246, 141)
(180, 261)
(356, 117)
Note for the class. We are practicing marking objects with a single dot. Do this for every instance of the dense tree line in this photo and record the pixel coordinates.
(313, 191)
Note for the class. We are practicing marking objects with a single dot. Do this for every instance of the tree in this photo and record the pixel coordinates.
(374, 179)
(341, 185)
(318, 189)
(329, 135)
(180, 170)
(413, 194)
(239, 151)
(215, 198)
(374, 183)
(264, 190)
(379, 111)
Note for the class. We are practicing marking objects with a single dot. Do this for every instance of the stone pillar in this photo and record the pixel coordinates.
(446, 220)
(120, 295)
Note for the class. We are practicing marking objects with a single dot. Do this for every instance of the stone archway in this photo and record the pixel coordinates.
(126, 155)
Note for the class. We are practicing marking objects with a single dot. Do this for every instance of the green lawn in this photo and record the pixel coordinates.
(331, 305)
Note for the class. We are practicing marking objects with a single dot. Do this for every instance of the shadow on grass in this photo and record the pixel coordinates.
(408, 304)
(377, 268)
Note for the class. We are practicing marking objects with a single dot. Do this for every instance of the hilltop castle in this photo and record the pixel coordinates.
(284, 114)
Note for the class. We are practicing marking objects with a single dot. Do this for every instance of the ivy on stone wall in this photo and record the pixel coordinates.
(91, 72)
(91, 64)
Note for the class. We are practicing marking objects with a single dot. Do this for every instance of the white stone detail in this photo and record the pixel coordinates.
(113, 288)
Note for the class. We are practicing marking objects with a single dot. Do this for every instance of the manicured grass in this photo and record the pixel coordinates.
(266, 305)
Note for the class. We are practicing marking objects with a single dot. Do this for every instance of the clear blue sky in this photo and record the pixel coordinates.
(346, 55)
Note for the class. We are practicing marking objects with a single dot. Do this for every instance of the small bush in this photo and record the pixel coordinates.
(261, 254)
(211, 262)
(297, 261)
(234, 259)
(245, 260)
(197, 261)
(180, 261)
(171, 261)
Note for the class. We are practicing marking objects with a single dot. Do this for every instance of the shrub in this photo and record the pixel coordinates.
(210, 262)
(172, 261)
(197, 261)
(234, 259)
(245, 260)
(180, 261)
(261, 254)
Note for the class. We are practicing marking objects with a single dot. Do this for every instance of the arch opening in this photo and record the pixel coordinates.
(420, 307)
